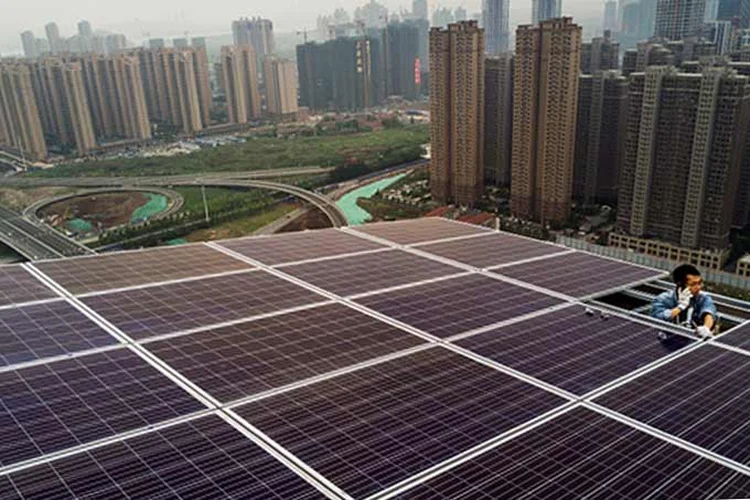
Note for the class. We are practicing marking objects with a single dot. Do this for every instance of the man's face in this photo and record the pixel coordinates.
(694, 283)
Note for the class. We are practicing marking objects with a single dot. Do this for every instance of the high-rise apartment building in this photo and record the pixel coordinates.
(720, 34)
(601, 124)
(498, 119)
(258, 33)
(545, 99)
(177, 86)
(157, 43)
(419, 9)
(679, 19)
(113, 43)
(601, 53)
(20, 125)
(315, 71)
(28, 40)
(63, 104)
(281, 86)
(85, 30)
(402, 63)
(56, 43)
(457, 98)
(541, 10)
(114, 87)
(180, 43)
(239, 70)
(609, 23)
(681, 169)
(495, 18)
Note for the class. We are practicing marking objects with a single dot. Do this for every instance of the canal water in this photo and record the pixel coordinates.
(355, 215)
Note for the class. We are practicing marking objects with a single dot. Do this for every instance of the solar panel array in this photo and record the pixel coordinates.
(419, 359)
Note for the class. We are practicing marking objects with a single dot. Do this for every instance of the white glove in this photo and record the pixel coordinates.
(703, 332)
(684, 299)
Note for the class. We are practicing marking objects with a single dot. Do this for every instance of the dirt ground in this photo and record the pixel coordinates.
(314, 219)
(109, 209)
(18, 199)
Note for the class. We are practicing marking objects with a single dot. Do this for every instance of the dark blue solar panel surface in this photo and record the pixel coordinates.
(584, 455)
(458, 305)
(701, 397)
(205, 458)
(738, 337)
(573, 350)
(367, 273)
(17, 285)
(374, 427)
(491, 250)
(256, 356)
(579, 274)
(158, 310)
(45, 330)
(50, 407)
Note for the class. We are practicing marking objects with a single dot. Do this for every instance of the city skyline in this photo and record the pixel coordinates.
(140, 20)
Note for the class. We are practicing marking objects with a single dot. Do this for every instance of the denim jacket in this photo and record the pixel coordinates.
(664, 304)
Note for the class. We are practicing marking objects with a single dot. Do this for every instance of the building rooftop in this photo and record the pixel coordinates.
(418, 359)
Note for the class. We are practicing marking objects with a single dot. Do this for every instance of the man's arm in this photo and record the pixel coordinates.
(708, 312)
(664, 307)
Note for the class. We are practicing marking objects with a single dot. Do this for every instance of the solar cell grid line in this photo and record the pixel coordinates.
(454, 306)
(369, 429)
(574, 350)
(348, 276)
(581, 454)
(206, 457)
(50, 407)
(46, 330)
(148, 312)
(579, 275)
(237, 361)
(18, 286)
(132, 269)
(699, 398)
(491, 250)
(295, 247)
(408, 232)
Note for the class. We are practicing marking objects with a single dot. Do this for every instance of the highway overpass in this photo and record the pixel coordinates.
(36, 242)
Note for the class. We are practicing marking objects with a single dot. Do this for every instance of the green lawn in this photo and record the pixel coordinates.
(371, 148)
(243, 226)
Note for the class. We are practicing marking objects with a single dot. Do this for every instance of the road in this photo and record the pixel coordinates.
(15, 181)
(36, 242)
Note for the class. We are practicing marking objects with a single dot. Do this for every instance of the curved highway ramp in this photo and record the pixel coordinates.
(36, 242)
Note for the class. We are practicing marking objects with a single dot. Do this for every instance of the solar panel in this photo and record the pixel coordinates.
(295, 247)
(584, 455)
(372, 428)
(457, 305)
(147, 312)
(413, 231)
(120, 270)
(248, 358)
(204, 458)
(17, 285)
(51, 407)
(579, 274)
(491, 250)
(371, 272)
(45, 330)
(737, 337)
(700, 397)
(573, 350)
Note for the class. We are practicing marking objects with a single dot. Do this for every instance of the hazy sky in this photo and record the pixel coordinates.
(168, 18)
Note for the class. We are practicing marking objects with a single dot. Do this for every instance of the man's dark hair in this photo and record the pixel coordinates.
(680, 274)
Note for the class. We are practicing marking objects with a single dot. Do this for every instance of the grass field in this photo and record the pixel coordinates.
(261, 154)
(243, 226)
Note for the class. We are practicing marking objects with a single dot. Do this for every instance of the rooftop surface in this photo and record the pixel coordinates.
(414, 359)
